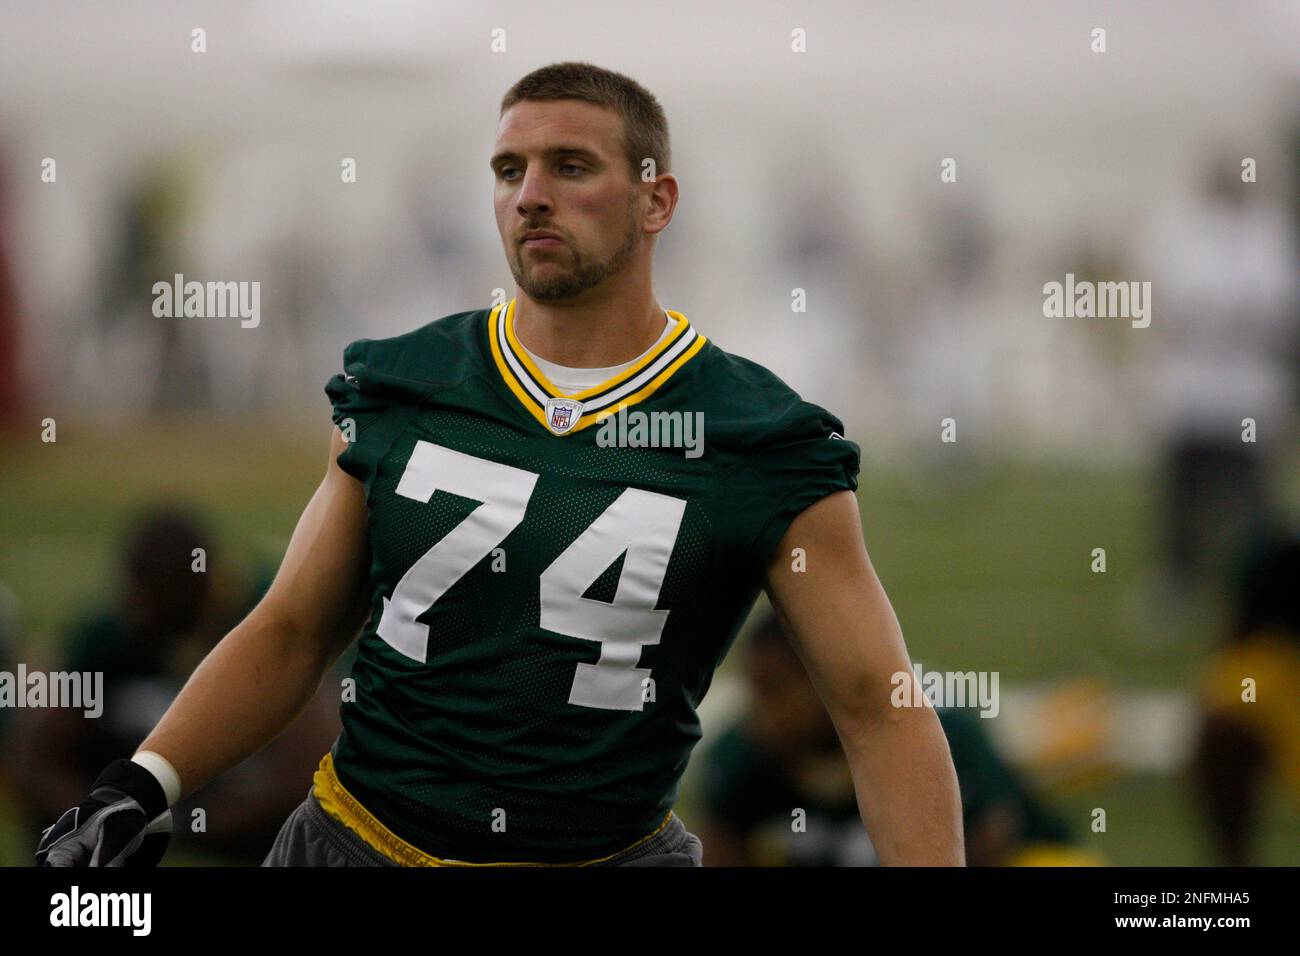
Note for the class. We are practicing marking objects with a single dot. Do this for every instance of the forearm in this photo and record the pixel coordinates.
(907, 788)
(247, 690)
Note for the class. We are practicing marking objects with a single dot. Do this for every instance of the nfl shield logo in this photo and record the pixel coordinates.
(562, 414)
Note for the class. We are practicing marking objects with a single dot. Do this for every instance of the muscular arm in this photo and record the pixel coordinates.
(263, 673)
(845, 631)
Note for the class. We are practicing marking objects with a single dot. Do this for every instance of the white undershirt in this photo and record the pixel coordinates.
(573, 380)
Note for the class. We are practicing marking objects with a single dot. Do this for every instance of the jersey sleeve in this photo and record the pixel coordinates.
(370, 407)
(804, 459)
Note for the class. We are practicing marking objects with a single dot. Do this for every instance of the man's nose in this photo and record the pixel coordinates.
(534, 194)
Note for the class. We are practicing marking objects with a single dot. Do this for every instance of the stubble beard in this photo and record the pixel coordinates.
(581, 276)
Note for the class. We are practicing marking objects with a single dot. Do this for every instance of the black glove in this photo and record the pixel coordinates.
(124, 822)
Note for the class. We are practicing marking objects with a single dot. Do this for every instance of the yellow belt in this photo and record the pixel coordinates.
(345, 808)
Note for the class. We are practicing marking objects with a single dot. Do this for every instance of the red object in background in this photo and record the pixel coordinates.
(10, 395)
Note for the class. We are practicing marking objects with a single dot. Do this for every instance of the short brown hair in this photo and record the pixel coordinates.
(645, 127)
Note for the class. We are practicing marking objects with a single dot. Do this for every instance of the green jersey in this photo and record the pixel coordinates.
(555, 577)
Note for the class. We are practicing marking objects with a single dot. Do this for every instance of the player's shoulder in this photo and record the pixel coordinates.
(755, 404)
(443, 349)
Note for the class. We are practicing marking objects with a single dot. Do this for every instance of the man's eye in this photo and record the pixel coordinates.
(506, 171)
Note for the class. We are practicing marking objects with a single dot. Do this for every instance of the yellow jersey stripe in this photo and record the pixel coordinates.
(530, 393)
(520, 353)
(508, 376)
(663, 376)
(346, 809)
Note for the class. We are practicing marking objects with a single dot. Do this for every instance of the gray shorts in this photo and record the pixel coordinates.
(311, 837)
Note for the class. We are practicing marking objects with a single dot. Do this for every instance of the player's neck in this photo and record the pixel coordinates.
(591, 334)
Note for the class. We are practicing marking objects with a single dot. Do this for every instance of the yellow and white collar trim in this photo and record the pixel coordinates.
(560, 413)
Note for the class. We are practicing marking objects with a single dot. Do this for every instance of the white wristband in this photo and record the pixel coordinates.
(163, 772)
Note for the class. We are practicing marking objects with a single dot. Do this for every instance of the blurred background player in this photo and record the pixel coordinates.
(1249, 742)
(783, 755)
(145, 640)
(1226, 346)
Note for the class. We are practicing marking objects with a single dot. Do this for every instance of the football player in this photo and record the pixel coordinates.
(782, 754)
(545, 561)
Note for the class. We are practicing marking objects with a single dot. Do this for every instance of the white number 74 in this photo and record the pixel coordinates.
(642, 523)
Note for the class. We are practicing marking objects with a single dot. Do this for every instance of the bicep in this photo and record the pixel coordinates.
(321, 590)
(836, 612)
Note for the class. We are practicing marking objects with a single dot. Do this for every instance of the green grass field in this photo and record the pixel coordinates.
(989, 573)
